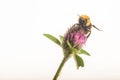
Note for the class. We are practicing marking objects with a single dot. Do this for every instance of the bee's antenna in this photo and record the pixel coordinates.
(96, 28)
(78, 15)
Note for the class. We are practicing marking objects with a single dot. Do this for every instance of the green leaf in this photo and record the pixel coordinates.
(79, 61)
(82, 51)
(54, 39)
(61, 38)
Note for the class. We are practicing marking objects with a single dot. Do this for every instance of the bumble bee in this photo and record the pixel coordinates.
(84, 23)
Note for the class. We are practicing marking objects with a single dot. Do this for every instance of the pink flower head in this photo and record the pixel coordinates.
(76, 38)
(79, 38)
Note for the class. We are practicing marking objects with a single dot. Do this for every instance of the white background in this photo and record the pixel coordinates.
(25, 54)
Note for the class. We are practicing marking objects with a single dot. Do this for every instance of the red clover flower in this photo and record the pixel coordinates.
(73, 41)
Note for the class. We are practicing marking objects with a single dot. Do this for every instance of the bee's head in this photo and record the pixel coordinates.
(84, 20)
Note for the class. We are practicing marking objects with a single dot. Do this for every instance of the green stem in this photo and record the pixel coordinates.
(61, 66)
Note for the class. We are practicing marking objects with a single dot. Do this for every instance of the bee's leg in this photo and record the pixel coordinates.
(88, 34)
(96, 27)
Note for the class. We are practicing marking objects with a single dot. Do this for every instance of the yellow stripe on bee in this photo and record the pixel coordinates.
(87, 18)
(88, 22)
